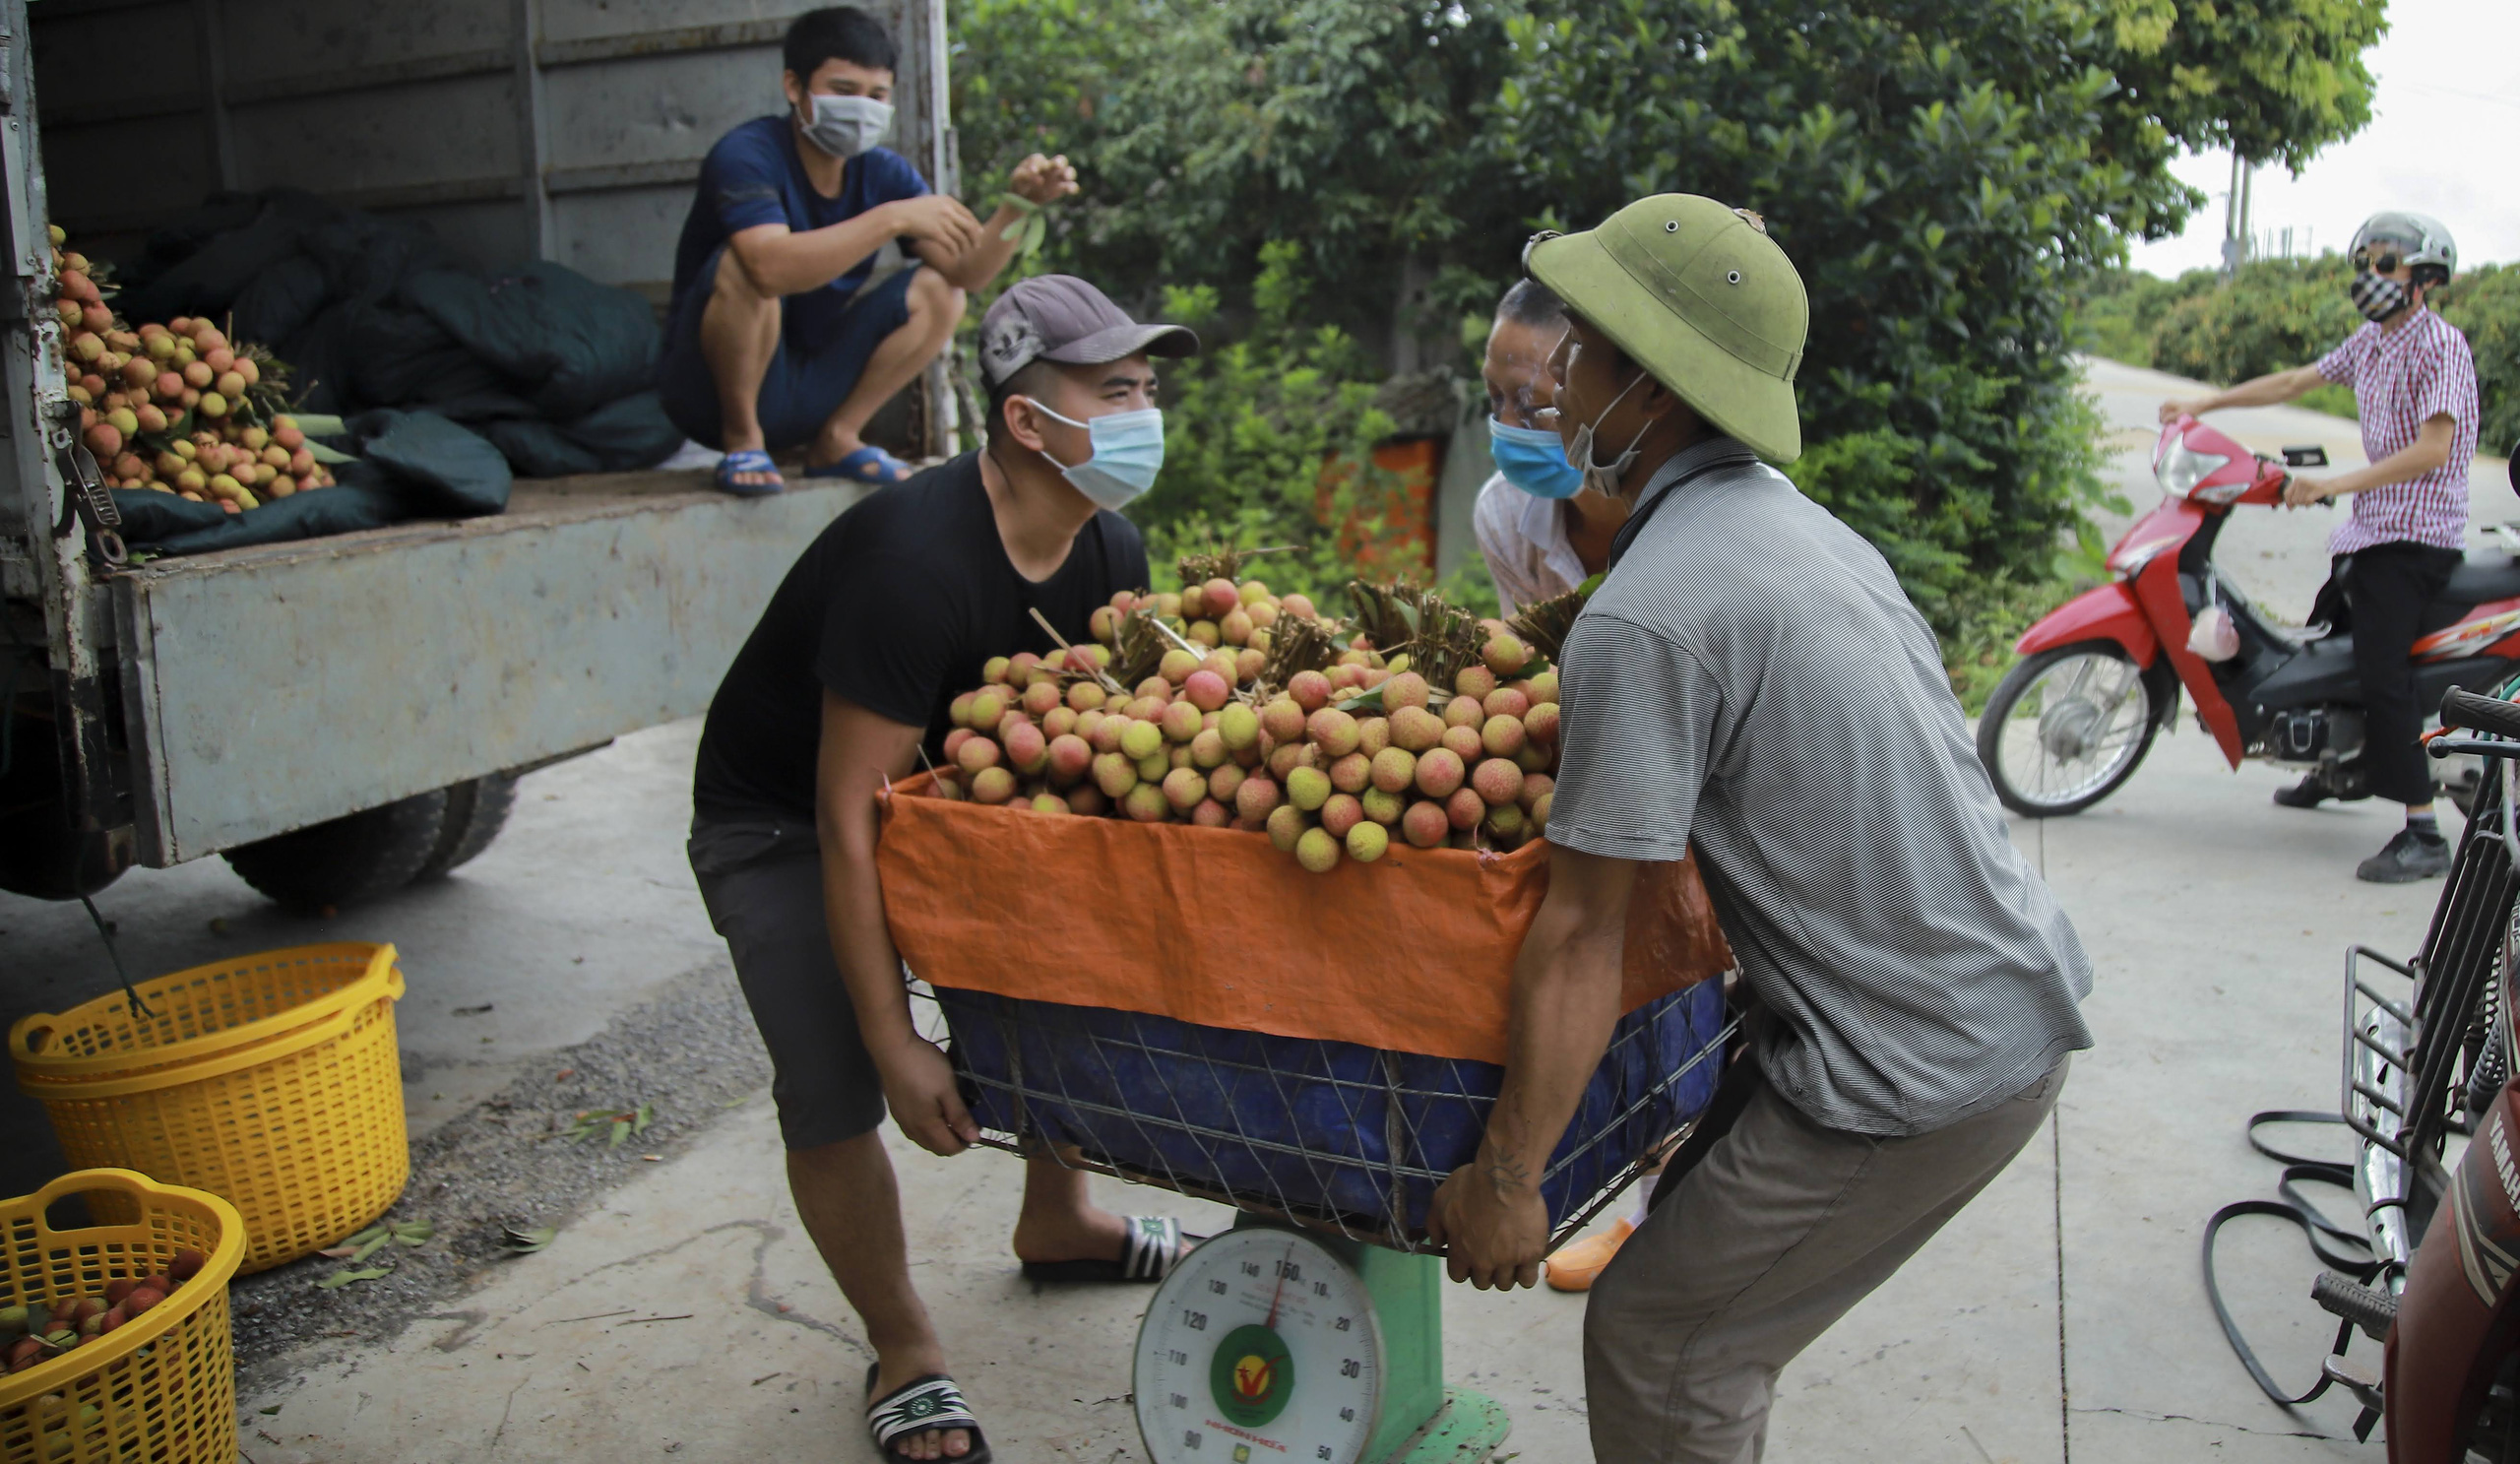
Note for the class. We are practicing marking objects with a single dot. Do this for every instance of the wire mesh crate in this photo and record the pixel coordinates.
(1327, 1133)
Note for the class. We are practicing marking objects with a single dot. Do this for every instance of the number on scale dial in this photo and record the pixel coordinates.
(1260, 1345)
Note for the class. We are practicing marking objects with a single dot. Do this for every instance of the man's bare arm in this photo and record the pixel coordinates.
(1567, 998)
(2271, 390)
(859, 751)
(2429, 450)
(783, 262)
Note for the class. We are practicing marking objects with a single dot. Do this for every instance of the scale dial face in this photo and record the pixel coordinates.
(1261, 1345)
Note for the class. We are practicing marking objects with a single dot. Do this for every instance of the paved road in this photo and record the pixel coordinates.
(2059, 1317)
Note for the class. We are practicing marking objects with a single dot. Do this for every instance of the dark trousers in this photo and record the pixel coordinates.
(2384, 596)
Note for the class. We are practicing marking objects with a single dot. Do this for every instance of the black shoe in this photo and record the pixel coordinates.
(2309, 793)
(2407, 858)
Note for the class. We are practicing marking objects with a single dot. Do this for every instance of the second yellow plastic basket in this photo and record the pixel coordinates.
(164, 1387)
(271, 1081)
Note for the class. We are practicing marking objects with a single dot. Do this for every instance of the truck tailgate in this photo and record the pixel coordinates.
(272, 687)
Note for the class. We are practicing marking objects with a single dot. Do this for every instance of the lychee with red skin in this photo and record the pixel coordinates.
(1464, 810)
(1474, 680)
(1147, 803)
(1466, 744)
(1539, 811)
(1059, 721)
(1373, 735)
(1286, 825)
(1425, 824)
(1297, 605)
(1282, 719)
(1382, 808)
(976, 753)
(1255, 799)
(1207, 690)
(1353, 773)
(1394, 770)
(1180, 721)
(992, 786)
(1498, 781)
(1408, 689)
(1414, 730)
(1502, 737)
(1505, 701)
(1310, 691)
(1465, 711)
(1208, 813)
(1341, 814)
(1440, 772)
(1026, 748)
(1541, 723)
(1536, 787)
(1285, 760)
(1086, 799)
(1071, 757)
(1505, 654)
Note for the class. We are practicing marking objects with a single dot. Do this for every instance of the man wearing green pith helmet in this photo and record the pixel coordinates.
(1750, 684)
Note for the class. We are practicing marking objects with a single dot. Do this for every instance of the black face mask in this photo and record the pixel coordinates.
(2377, 296)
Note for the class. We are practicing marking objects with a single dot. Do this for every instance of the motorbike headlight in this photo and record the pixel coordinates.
(2181, 469)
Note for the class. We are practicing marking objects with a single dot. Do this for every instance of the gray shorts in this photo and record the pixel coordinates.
(763, 883)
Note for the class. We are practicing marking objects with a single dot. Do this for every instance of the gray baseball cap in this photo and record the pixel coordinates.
(1061, 318)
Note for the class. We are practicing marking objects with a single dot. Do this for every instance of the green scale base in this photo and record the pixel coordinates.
(1423, 1421)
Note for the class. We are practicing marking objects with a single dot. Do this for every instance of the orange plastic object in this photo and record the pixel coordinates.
(162, 1387)
(1393, 532)
(1413, 953)
(271, 1081)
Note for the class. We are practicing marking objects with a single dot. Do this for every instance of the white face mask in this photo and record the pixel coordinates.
(1604, 477)
(845, 126)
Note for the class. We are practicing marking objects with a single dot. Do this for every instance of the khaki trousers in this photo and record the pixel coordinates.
(1782, 1228)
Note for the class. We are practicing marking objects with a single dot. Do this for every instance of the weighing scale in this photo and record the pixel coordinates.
(1272, 1343)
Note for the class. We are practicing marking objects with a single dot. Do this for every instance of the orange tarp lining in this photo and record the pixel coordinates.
(1414, 952)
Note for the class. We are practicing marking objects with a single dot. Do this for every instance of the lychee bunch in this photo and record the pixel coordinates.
(1339, 763)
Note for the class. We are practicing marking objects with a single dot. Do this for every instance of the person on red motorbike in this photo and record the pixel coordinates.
(2415, 389)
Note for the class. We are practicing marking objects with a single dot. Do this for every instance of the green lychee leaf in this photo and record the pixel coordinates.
(1370, 701)
(640, 1120)
(621, 1131)
(320, 425)
(526, 1241)
(341, 1278)
(414, 1232)
(1587, 588)
(370, 1247)
(331, 456)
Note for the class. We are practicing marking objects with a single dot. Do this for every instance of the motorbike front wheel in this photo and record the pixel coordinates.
(2065, 726)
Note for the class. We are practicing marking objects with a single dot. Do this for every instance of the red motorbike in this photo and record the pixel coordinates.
(2101, 674)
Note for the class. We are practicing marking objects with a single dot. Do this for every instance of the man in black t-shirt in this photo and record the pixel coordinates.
(892, 611)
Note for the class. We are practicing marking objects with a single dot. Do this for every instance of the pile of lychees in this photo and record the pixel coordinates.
(1257, 712)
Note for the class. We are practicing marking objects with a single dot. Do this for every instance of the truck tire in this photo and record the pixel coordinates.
(476, 811)
(346, 860)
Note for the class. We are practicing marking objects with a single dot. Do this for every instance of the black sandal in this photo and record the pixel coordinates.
(924, 1405)
(1155, 1246)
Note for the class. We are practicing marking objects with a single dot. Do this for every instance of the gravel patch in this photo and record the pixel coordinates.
(690, 1052)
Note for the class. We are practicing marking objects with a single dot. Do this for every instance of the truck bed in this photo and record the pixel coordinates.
(264, 688)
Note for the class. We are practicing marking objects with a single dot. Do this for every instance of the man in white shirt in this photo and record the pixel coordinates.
(1540, 533)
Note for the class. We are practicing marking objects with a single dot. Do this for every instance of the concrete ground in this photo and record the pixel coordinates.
(682, 1311)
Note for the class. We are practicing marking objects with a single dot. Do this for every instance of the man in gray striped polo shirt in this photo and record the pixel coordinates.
(1751, 679)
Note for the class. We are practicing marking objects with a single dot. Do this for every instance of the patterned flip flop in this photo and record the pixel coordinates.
(1156, 1245)
(924, 1405)
(749, 460)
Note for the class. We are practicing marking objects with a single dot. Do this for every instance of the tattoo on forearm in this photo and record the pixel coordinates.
(1506, 1173)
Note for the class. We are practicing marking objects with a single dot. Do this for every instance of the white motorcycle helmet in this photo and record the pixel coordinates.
(2419, 237)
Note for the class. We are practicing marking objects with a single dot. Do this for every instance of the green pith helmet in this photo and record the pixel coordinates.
(1702, 299)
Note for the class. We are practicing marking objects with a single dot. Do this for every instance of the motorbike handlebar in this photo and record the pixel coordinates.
(2485, 714)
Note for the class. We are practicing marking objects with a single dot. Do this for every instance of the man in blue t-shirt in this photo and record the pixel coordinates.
(799, 304)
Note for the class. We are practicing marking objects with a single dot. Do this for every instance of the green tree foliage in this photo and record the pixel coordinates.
(2274, 79)
(1946, 173)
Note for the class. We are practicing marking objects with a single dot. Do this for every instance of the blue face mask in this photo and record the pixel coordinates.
(1533, 461)
(1128, 452)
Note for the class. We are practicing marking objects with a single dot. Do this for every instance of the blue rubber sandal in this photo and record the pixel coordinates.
(867, 465)
(749, 460)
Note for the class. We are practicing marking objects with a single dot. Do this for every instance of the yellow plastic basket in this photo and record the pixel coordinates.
(271, 1081)
(162, 1387)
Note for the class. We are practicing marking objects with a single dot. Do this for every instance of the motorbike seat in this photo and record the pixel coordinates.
(2487, 575)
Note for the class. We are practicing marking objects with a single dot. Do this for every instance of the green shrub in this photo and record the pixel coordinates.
(2486, 304)
(2277, 314)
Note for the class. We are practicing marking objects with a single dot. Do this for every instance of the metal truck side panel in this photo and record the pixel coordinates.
(273, 688)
